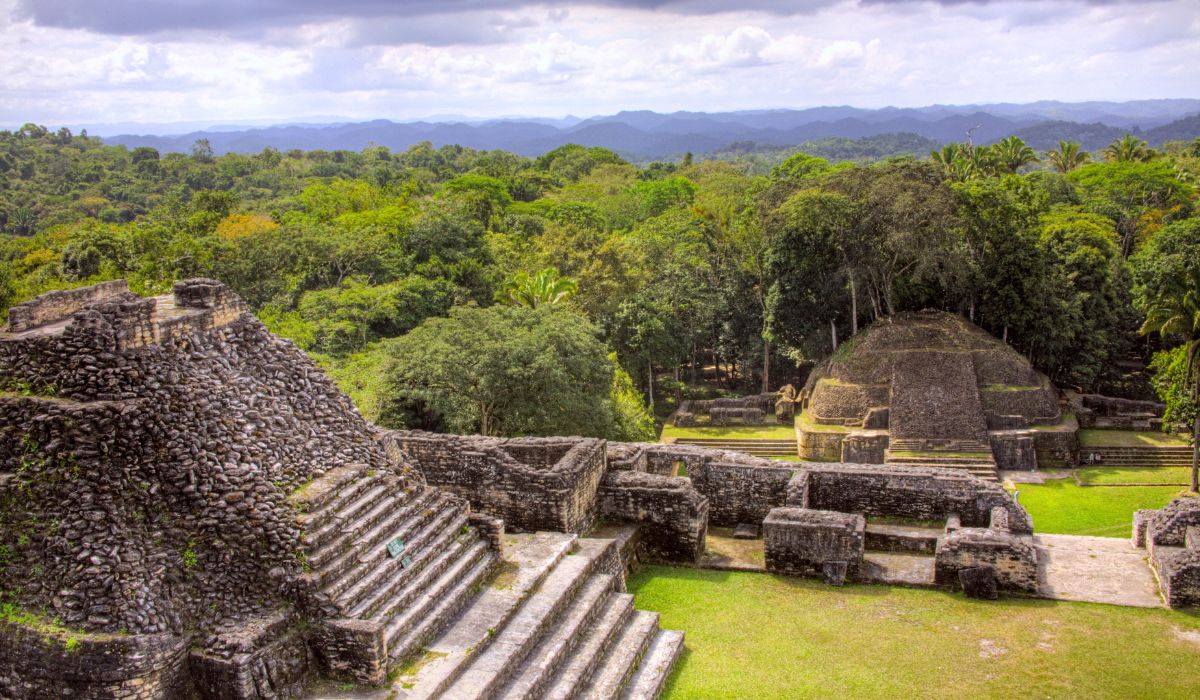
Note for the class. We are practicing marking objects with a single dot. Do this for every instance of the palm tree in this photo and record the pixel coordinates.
(1126, 149)
(541, 289)
(1011, 154)
(1067, 157)
(1177, 312)
(957, 161)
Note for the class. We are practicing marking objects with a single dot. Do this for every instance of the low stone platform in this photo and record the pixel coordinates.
(1095, 570)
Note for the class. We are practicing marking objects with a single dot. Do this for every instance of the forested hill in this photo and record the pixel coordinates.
(642, 136)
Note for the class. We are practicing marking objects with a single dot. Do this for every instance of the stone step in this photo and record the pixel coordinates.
(554, 650)
(533, 557)
(374, 526)
(395, 593)
(409, 517)
(647, 683)
(369, 562)
(623, 657)
(574, 675)
(327, 542)
(314, 496)
(378, 575)
(318, 518)
(435, 608)
(333, 519)
(537, 619)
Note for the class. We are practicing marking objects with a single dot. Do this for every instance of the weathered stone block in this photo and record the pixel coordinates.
(1012, 558)
(800, 541)
(352, 650)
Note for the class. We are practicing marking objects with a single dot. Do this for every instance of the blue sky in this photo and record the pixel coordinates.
(92, 61)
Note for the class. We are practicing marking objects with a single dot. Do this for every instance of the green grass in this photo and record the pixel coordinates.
(765, 637)
(805, 422)
(1061, 507)
(1135, 475)
(1130, 438)
(732, 432)
(785, 458)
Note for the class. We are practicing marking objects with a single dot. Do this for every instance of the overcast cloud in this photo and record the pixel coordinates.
(83, 61)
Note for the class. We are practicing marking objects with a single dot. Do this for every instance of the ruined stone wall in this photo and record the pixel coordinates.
(821, 447)
(739, 493)
(934, 396)
(908, 492)
(673, 515)
(36, 662)
(60, 304)
(1172, 537)
(530, 483)
(1014, 451)
(267, 657)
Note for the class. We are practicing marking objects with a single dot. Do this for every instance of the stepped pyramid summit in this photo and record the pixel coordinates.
(932, 389)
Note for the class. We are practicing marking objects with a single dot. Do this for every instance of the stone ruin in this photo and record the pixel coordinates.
(744, 410)
(1171, 537)
(190, 508)
(932, 389)
(1106, 412)
(196, 505)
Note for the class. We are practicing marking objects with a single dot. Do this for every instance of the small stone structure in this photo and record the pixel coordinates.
(530, 483)
(805, 542)
(1108, 413)
(1171, 536)
(747, 410)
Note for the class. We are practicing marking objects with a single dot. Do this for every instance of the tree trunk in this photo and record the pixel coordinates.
(833, 332)
(766, 385)
(1196, 452)
(650, 385)
(678, 387)
(853, 307)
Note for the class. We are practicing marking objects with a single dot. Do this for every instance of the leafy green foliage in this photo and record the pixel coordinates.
(507, 370)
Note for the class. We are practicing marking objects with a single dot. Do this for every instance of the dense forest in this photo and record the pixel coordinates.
(466, 290)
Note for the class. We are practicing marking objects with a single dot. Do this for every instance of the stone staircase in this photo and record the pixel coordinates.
(973, 456)
(756, 447)
(548, 620)
(1137, 456)
(560, 628)
(350, 516)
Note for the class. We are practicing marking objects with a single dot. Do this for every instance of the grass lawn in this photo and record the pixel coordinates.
(1060, 506)
(759, 636)
(1130, 438)
(1135, 475)
(732, 432)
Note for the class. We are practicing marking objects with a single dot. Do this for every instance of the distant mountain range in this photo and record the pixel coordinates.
(644, 135)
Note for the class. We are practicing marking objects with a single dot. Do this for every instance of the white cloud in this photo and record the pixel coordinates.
(602, 57)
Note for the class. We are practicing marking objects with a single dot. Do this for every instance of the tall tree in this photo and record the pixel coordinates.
(1127, 149)
(1167, 289)
(1068, 156)
(1012, 154)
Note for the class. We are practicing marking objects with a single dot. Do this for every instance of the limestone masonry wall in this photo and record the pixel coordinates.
(58, 305)
(673, 515)
(530, 483)
(909, 492)
(42, 664)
